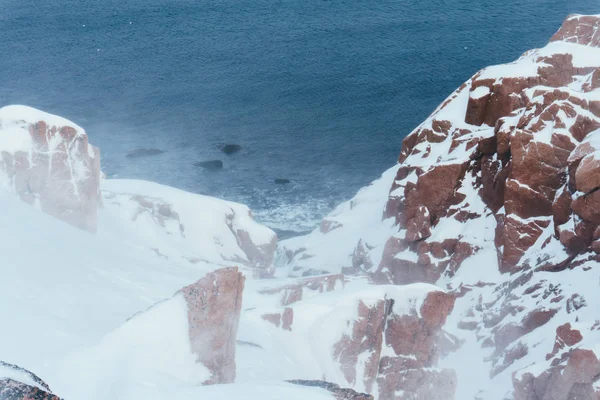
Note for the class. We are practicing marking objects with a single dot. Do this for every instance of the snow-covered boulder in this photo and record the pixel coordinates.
(47, 161)
(186, 227)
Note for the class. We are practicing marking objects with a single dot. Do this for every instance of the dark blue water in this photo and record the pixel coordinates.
(321, 92)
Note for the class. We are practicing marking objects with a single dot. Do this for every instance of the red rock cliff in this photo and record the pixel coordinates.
(518, 142)
(496, 199)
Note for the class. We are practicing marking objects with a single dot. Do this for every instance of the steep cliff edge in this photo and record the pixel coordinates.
(495, 198)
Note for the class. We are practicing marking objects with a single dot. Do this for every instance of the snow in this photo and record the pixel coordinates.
(591, 143)
(320, 322)
(186, 237)
(14, 132)
(68, 302)
(63, 289)
(150, 352)
(250, 391)
(583, 56)
(360, 218)
(30, 114)
(480, 92)
(19, 376)
(524, 67)
(66, 299)
(527, 65)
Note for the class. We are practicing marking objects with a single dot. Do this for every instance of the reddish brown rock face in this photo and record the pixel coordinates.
(274, 318)
(59, 172)
(367, 336)
(413, 338)
(419, 227)
(579, 29)
(285, 319)
(214, 304)
(586, 175)
(566, 381)
(565, 337)
(515, 159)
(524, 145)
(434, 192)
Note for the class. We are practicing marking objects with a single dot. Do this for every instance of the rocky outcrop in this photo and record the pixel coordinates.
(214, 304)
(395, 350)
(496, 198)
(522, 138)
(576, 378)
(339, 393)
(15, 390)
(17, 383)
(47, 161)
(285, 319)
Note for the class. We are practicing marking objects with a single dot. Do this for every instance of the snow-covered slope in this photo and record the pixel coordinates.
(66, 296)
(184, 227)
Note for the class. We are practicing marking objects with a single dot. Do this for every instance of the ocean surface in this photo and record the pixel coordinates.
(320, 92)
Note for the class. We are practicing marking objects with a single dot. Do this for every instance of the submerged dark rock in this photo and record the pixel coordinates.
(212, 165)
(230, 148)
(137, 153)
(282, 181)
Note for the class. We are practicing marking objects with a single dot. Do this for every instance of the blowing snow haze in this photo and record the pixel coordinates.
(174, 180)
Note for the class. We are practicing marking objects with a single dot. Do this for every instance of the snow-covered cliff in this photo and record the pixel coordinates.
(495, 199)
